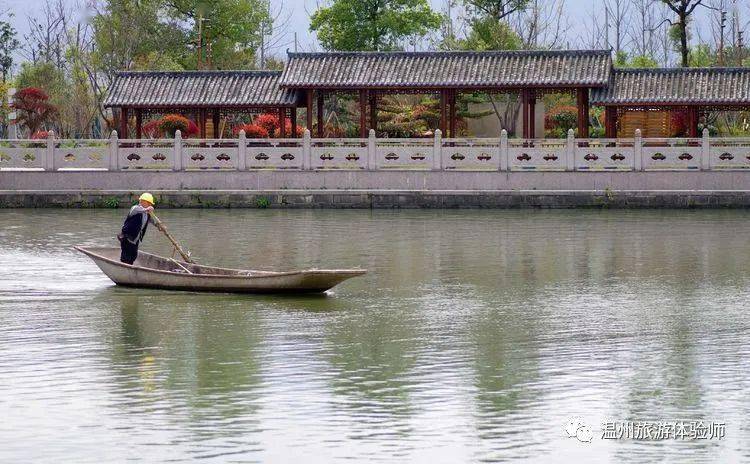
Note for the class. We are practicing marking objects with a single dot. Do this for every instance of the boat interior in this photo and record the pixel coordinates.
(150, 261)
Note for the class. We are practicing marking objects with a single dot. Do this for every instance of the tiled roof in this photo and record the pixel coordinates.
(199, 89)
(719, 86)
(562, 68)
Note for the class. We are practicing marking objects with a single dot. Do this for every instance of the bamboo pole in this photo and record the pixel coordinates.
(160, 225)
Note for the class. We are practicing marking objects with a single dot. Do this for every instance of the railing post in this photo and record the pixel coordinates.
(306, 151)
(49, 152)
(242, 151)
(705, 151)
(503, 151)
(372, 151)
(437, 149)
(177, 150)
(570, 151)
(638, 155)
(114, 145)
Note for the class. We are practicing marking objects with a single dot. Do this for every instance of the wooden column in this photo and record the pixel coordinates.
(138, 123)
(202, 122)
(525, 112)
(452, 114)
(363, 113)
(294, 122)
(320, 114)
(216, 120)
(610, 122)
(532, 114)
(583, 113)
(442, 112)
(692, 121)
(123, 122)
(309, 108)
(373, 110)
(282, 122)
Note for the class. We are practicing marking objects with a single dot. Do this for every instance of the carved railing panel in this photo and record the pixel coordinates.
(22, 154)
(210, 154)
(728, 154)
(155, 155)
(275, 154)
(470, 154)
(671, 154)
(604, 155)
(537, 155)
(404, 153)
(82, 154)
(339, 154)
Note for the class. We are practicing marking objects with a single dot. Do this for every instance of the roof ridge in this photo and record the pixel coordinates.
(681, 70)
(258, 72)
(452, 52)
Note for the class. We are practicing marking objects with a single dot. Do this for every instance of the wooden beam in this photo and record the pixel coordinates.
(525, 112)
(610, 122)
(452, 114)
(442, 112)
(282, 122)
(373, 110)
(294, 122)
(532, 114)
(123, 122)
(363, 113)
(320, 114)
(583, 112)
(138, 123)
(202, 122)
(692, 121)
(309, 108)
(216, 121)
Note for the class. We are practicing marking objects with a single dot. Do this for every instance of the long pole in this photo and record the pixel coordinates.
(185, 255)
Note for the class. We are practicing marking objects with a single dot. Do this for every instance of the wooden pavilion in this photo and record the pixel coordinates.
(201, 94)
(644, 98)
(370, 75)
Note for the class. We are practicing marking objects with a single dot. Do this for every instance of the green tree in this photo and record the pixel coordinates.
(8, 45)
(228, 31)
(679, 31)
(490, 34)
(372, 24)
(702, 56)
(622, 60)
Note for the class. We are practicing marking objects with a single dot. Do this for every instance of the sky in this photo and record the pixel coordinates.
(297, 12)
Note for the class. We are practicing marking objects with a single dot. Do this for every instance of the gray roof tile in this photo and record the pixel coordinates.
(717, 86)
(344, 70)
(199, 89)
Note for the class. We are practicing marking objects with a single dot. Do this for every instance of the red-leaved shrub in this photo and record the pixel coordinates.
(268, 121)
(40, 134)
(151, 129)
(171, 123)
(288, 127)
(34, 108)
(253, 131)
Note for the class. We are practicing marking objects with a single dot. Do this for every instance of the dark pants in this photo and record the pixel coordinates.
(129, 251)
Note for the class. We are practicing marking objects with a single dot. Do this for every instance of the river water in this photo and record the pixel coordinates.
(475, 337)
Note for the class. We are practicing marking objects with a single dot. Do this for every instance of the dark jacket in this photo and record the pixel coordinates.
(136, 224)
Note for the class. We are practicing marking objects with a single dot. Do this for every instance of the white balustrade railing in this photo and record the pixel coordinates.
(372, 153)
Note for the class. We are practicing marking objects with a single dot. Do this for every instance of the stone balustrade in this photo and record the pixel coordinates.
(378, 154)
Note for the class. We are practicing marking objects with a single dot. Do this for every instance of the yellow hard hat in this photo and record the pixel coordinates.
(147, 197)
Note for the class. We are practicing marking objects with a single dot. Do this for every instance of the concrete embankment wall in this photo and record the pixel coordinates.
(379, 189)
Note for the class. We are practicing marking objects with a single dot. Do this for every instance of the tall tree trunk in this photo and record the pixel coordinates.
(683, 41)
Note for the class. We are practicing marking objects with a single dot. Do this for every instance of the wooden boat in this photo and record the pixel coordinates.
(152, 271)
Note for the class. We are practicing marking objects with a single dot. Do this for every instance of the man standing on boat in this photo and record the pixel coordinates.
(135, 227)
